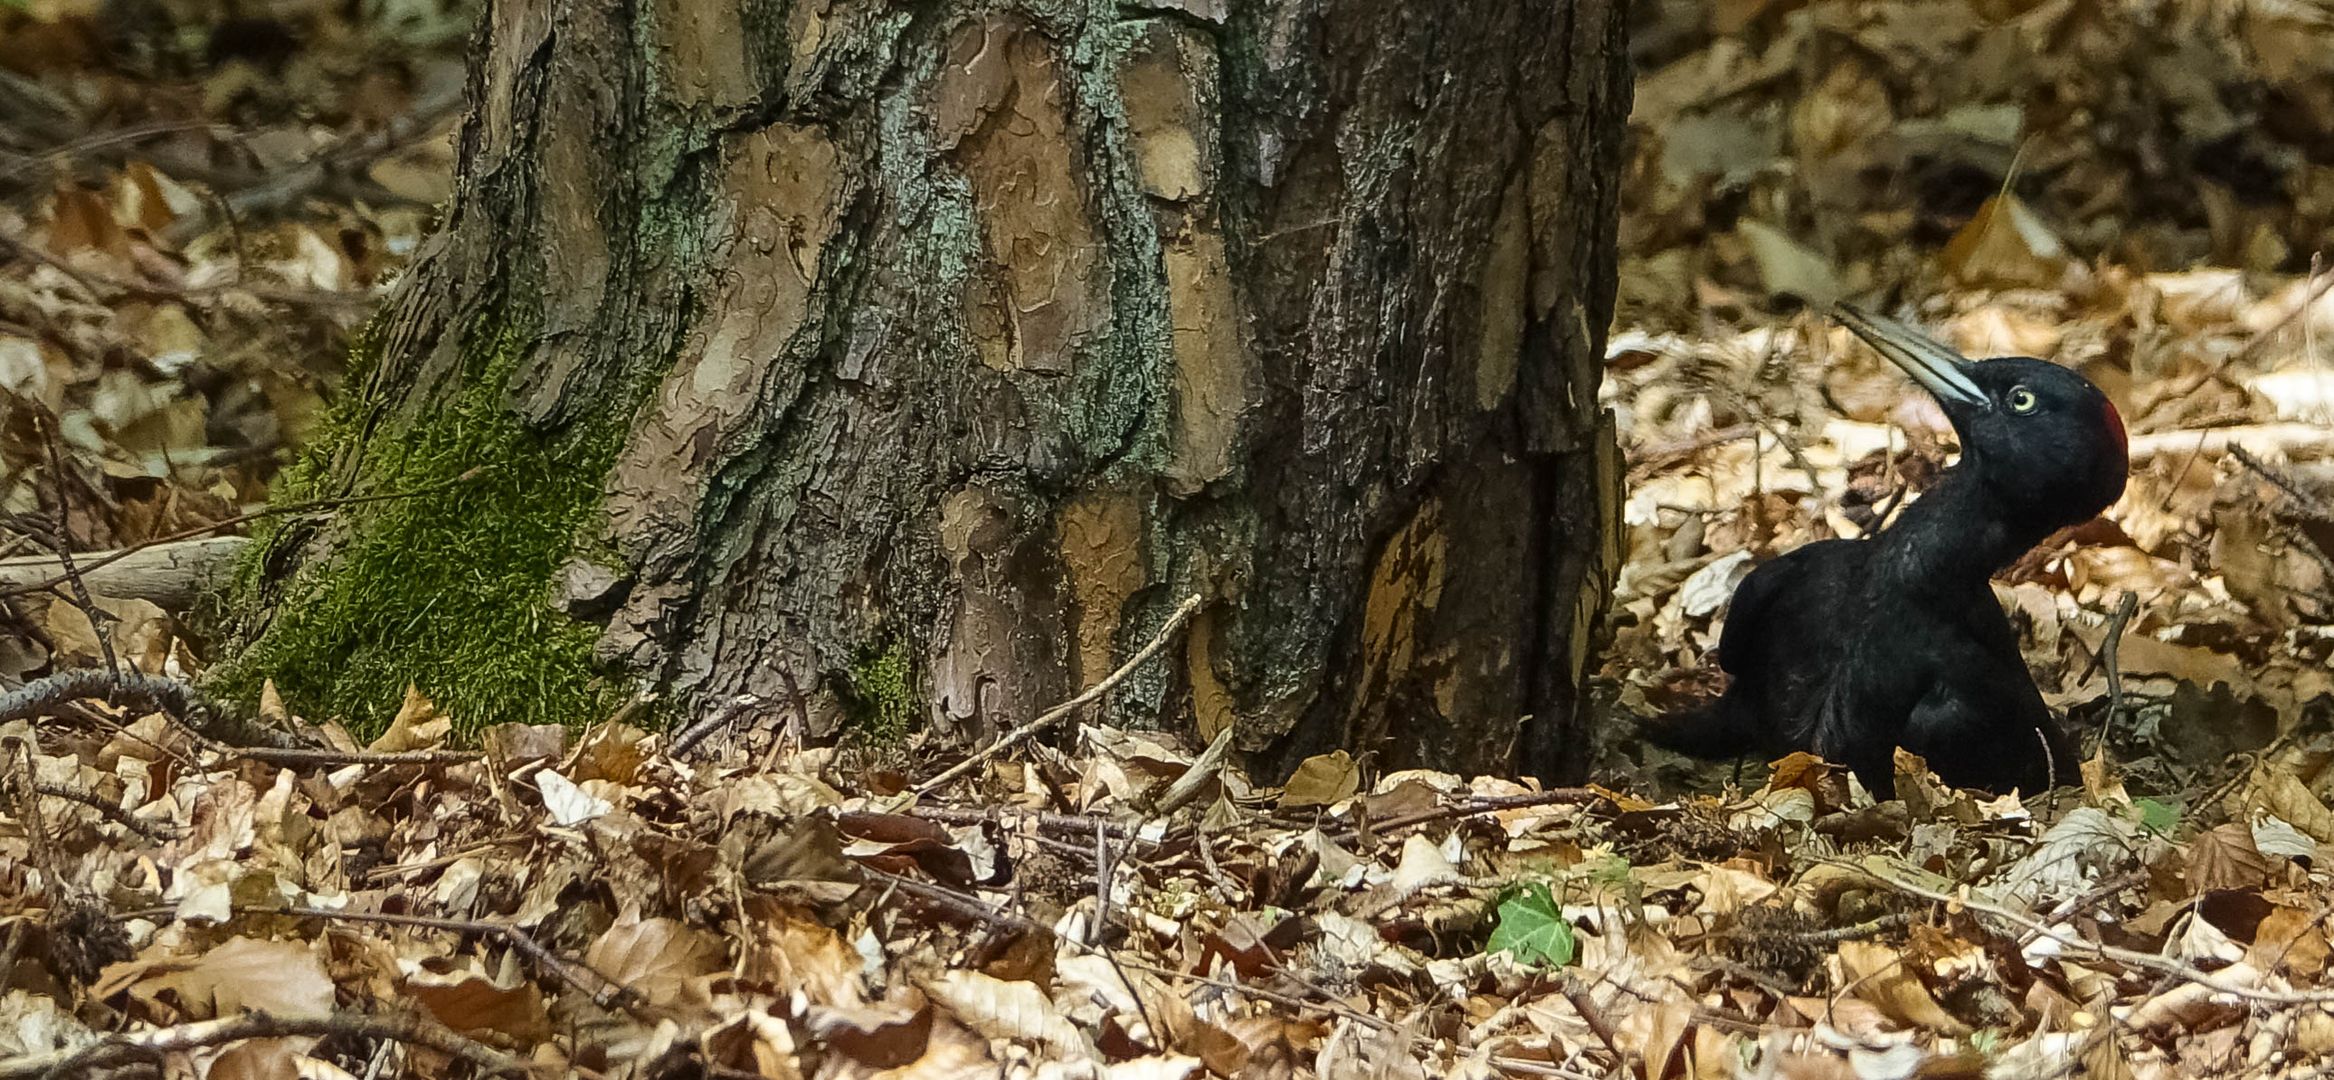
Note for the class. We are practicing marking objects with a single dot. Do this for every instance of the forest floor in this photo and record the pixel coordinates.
(192, 222)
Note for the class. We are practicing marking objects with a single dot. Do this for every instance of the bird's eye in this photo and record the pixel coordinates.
(2021, 400)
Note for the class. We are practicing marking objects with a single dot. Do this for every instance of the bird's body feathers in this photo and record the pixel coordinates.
(1851, 648)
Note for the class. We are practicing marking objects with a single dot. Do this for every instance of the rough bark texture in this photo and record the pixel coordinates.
(951, 345)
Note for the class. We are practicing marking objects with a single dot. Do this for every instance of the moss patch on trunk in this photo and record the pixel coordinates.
(447, 589)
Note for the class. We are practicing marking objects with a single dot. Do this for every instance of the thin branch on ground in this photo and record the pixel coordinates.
(2161, 965)
(973, 907)
(309, 507)
(327, 756)
(121, 1049)
(607, 993)
(1055, 715)
(1073, 825)
(1597, 1024)
(154, 831)
(2109, 647)
(61, 541)
(1473, 806)
(179, 700)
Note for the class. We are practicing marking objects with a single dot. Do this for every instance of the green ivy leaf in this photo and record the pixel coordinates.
(1531, 928)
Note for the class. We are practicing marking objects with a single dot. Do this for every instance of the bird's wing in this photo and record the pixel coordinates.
(1748, 614)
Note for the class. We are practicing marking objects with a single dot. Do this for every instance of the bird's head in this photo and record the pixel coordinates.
(2042, 437)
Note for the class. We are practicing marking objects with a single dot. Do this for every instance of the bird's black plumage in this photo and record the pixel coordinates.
(1851, 648)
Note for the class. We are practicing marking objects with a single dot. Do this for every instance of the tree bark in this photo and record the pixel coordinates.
(921, 358)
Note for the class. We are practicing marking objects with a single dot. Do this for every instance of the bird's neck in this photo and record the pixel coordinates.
(1954, 536)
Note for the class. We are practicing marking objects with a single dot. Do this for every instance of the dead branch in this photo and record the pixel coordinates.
(147, 1045)
(1484, 804)
(1077, 825)
(2161, 965)
(607, 993)
(154, 831)
(173, 576)
(139, 690)
(1054, 715)
(2287, 437)
(8, 589)
(297, 756)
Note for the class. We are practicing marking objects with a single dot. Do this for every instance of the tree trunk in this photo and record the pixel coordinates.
(884, 363)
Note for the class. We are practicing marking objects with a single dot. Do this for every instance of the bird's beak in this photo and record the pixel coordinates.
(1931, 363)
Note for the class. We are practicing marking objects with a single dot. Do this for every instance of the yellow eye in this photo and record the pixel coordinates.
(2021, 400)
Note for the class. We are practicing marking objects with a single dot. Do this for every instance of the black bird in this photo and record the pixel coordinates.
(1850, 648)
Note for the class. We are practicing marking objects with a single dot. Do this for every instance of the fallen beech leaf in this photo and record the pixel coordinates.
(1155, 1067)
(1009, 1010)
(2290, 942)
(567, 803)
(657, 957)
(1880, 976)
(2280, 792)
(470, 1002)
(2224, 858)
(417, 726)
(240, 974)
(2005, 244)
(1423, 863)
(1322, 780)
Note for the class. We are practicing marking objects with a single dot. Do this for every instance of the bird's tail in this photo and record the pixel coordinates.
(1712, 731)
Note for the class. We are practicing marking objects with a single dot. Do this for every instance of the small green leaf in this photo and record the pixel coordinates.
(1606, 869)
(2156, 816)
(1531, 928)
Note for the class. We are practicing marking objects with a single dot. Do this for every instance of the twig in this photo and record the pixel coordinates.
(969, 906)
(2318, 287)
(173, 575)
(380, 874)
(2161, 965)
(137, 689)
(608, 993)
(2307, 506)
(150, 830)
(2311, 504)
(13, 947)
(2074, 905)
(61, 541)
(2124, 609)
(1482, 804)
(36, 829)
(1829, 935)
(2257, 342)
(1528, 1067)
(977, 909)
(1054, 715)
(1290, 1000)
(1595, 1019)
(1204, 773)
(699, 730)
(1102, 872)
(1737, 969)
(326, 756)
(88, 287)
(309, 507)
(1078, 825)
(145, 1045)
(2284, 435)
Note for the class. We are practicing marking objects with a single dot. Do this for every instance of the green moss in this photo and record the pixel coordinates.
(883, 692)
(448, 590)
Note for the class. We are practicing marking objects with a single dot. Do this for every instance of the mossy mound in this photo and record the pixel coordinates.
(447, 585)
